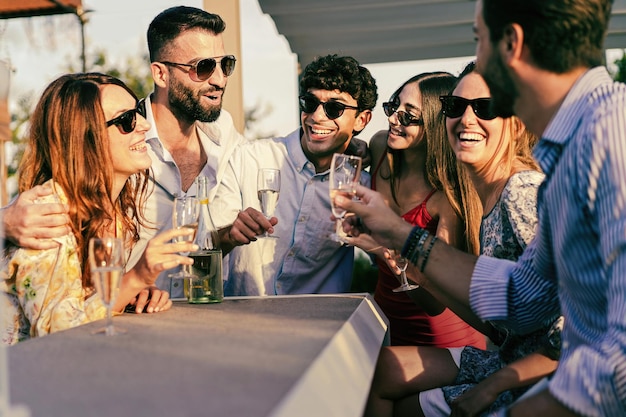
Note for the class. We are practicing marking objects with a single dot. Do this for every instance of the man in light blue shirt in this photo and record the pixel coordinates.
(543, 61)
(336, 100)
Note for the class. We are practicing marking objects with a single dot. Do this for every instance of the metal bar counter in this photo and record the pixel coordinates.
(248, 356)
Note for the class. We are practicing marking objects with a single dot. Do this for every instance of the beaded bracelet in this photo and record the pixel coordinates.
(411, 241)
(419, 249)
(416, 247)
(427, 253)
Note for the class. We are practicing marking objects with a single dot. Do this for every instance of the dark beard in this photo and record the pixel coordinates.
(185, 105)
(503, 91)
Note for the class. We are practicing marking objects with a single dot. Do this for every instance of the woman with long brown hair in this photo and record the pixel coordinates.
(416, 171)
(87, 142)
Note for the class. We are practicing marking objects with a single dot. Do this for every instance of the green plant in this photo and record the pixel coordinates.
(620, 75)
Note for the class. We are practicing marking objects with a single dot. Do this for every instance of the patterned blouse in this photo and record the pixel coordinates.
(510, 226)
(41, 291)
(505, 232)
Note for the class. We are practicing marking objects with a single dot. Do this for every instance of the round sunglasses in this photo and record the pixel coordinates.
(202, 70)
(332, 109)
(454, 106)
(405, 119)
(127, 121)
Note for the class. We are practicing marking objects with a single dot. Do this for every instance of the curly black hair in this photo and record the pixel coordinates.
(343, 73)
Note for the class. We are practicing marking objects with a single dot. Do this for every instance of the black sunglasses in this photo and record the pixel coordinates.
(332, 109)
(454, 106)
(127, 121)
(202, 70)
(405, 119)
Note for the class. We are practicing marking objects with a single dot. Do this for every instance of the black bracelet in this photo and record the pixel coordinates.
(417, 248)
(411, 241)
(427, 253)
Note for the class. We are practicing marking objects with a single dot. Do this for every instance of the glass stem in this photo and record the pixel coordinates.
(338, 228)
(109, 328)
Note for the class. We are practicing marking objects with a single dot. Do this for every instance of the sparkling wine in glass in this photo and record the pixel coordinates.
(268, 189)
(106, 261)
(345, 171)
(185, 216)
(402, 263)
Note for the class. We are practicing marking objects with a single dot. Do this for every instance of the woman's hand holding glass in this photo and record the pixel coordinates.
(401, 263)
(365, 242)
(163, 252)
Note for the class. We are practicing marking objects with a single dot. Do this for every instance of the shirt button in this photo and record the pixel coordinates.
(176, 285)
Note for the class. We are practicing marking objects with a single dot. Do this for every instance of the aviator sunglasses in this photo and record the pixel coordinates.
(405, 119)
(332, 109)
(202, 70)
(127, 121)
(454, 106)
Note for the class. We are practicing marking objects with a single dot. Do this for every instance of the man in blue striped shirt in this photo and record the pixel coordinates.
(542, 60)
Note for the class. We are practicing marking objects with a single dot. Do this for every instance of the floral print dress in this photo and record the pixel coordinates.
(41, 291)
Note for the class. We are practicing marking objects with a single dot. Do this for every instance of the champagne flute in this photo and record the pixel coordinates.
(402, 263)
(268, 189)
(345, 171)
(106, 259)
(185, 215)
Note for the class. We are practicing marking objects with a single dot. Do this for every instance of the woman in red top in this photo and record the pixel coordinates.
(415, 169)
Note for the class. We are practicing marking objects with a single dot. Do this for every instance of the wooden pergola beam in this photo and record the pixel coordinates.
(28, 8)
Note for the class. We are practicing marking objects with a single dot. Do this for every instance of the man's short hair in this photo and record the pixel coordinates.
(171, 23)
(560, 34)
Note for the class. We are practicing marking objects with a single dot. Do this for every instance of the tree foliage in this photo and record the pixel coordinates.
(620, 74)
(252, 117)
(19, 124)
(135, 72)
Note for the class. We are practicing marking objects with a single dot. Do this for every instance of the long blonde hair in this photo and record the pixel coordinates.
(517, 155)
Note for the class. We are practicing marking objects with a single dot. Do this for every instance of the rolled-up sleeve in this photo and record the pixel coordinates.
(514, 294)
(488, 288)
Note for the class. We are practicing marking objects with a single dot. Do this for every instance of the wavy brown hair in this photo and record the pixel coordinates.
(69, 144)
